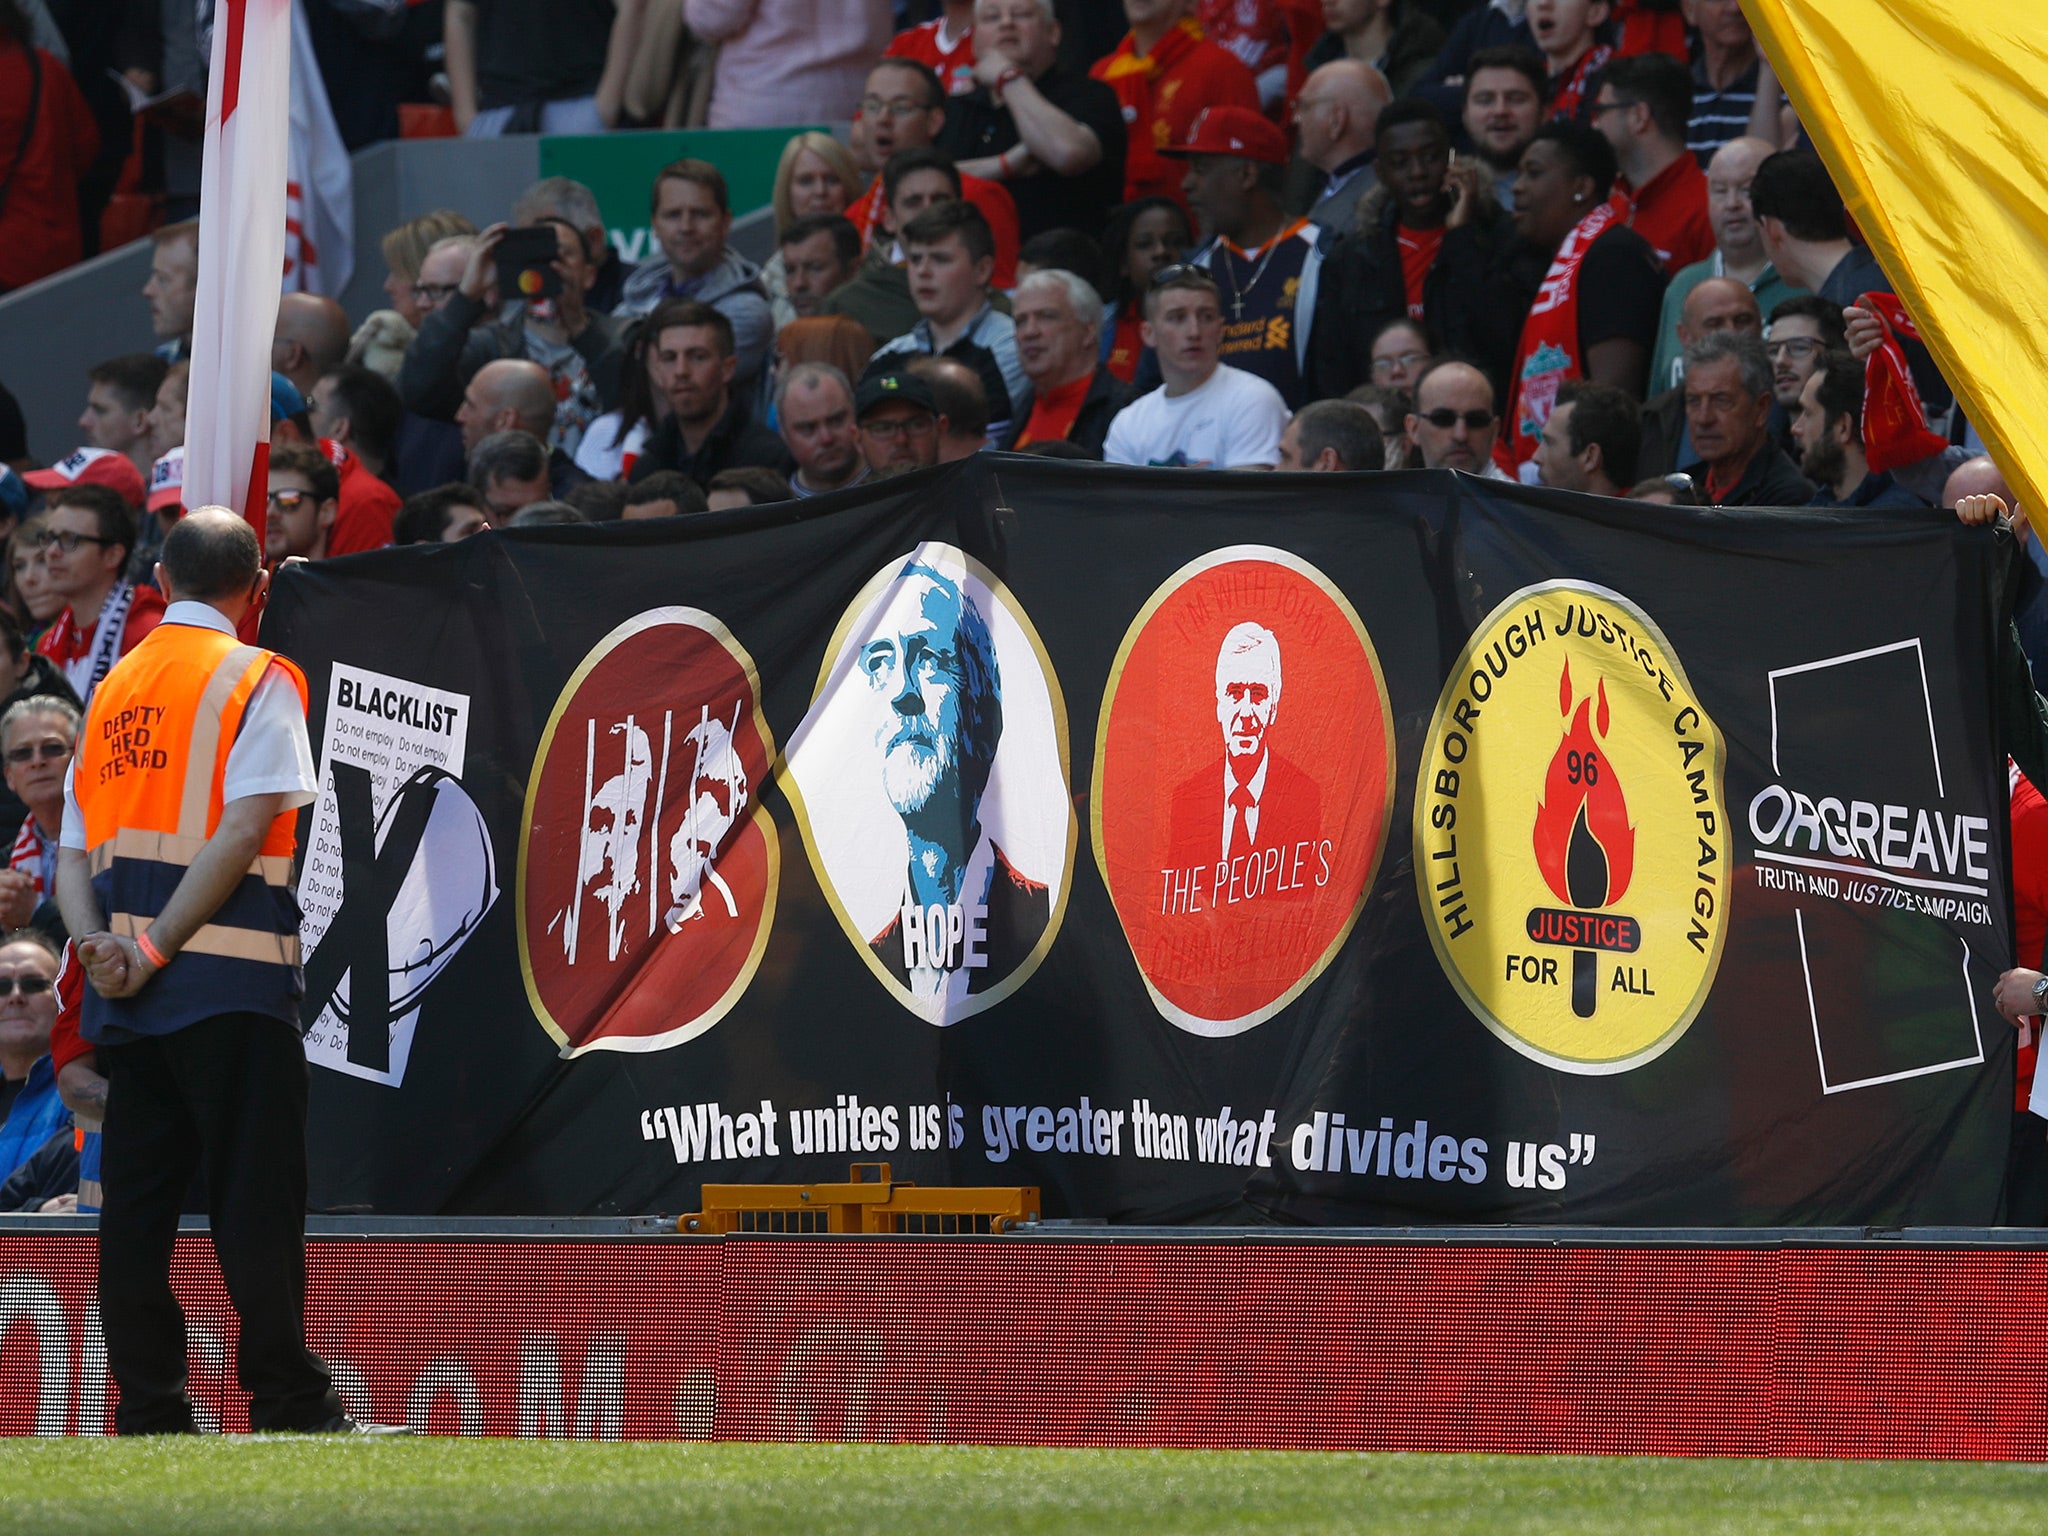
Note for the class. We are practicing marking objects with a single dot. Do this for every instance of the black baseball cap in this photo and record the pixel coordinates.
(892, 389)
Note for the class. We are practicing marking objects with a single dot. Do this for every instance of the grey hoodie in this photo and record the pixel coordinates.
(733, 288)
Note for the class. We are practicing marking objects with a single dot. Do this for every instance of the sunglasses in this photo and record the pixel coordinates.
(30, 986)
(1444, 418)
(48, 751)
(290, 501)
(1180, 271)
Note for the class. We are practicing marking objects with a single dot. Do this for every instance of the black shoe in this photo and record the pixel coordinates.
(342, 1424)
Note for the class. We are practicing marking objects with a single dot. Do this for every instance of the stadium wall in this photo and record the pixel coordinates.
(1749, 1344)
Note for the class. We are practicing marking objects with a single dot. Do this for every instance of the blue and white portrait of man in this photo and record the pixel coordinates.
(939, 810)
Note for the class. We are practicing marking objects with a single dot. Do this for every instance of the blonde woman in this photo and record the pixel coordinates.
(817, 175)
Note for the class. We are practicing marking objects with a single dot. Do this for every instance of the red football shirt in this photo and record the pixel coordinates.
(1053, 413)
(1419, 250)
(992, 198)
(951, 59)
(1671, 213)
(367, 505)
(1127, 345)
(2029, 907)
(1162, 94)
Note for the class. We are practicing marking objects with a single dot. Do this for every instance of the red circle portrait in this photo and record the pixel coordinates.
(1244, 771)
(648, 867)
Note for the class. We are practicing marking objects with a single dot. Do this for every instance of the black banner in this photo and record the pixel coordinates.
(1197, 848)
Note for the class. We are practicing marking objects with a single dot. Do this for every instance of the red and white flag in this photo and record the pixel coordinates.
(241, 255)
(319, 250)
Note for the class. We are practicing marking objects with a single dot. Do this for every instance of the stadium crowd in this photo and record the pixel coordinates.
(1577, 243)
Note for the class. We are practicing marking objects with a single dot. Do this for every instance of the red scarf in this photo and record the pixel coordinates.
(1569, 103)
(1548, 357)
(1894, 420)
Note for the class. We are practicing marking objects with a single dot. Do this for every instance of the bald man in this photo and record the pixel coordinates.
(1455, 420)
(1715, 304)
(962, 400)
(514, 395)
(1738, 253)
(1978, 493)
(311, 339)
(509, 394)
(582, 351)
(1335, 113)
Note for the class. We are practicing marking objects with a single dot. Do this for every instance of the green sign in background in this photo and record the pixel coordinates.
(620, 168)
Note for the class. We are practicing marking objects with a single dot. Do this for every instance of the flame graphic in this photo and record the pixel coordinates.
(1585, 845)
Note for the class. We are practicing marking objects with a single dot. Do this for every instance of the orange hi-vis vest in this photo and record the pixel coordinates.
(152, 758)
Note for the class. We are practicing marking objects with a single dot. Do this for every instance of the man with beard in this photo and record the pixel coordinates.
(1829, 432)
(1802, 331)
(966, 918)
(900, 424)
(1505, 92)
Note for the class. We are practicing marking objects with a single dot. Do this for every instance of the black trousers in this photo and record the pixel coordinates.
(2026, 1173)
(225, 1096)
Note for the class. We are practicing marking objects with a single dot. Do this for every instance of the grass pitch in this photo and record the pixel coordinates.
(339, 1487)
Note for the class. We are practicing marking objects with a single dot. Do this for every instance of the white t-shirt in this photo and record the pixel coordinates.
(1234, 421)
(271, 754)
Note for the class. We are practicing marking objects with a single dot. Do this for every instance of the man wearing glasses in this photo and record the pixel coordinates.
(1803, 329)
(903, 108)
(900, 424)
(305, 499)
(37, 738)
(88, 531)
(29, 1101)
(1455, 420)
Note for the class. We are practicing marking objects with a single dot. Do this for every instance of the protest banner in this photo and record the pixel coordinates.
(1333, 849)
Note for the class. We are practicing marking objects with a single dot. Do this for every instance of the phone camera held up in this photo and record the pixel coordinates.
(526, 263)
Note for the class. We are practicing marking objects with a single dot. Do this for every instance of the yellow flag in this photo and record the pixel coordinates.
(1933, 117)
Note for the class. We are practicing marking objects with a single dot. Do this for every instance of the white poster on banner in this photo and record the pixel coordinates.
(390, 767)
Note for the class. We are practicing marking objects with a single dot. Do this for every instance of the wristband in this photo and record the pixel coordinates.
(149, 950)
(1002, 83)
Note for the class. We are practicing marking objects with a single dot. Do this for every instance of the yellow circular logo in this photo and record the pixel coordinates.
(1571, 836)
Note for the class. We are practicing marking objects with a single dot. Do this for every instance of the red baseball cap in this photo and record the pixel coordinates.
(1237, 131)
(167, 480)
(91, 466)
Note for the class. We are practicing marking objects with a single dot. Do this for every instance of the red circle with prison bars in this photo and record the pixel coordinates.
(647, 867)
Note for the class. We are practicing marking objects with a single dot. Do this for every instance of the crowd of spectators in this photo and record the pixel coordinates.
(1576, 243)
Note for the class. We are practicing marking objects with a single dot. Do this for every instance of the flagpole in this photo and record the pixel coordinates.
(241, 257)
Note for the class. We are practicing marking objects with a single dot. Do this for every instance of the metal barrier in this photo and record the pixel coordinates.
(869, 1202)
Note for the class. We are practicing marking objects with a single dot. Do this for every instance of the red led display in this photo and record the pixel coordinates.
(1855, 1351)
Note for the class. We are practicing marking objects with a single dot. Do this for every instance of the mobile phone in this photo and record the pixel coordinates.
(526, 258)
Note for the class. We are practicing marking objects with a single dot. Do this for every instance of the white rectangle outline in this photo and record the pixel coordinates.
(1820, 1057)
(1926, 696)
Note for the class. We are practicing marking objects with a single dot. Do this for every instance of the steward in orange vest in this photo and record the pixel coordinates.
(174, 876)
(148, 777)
